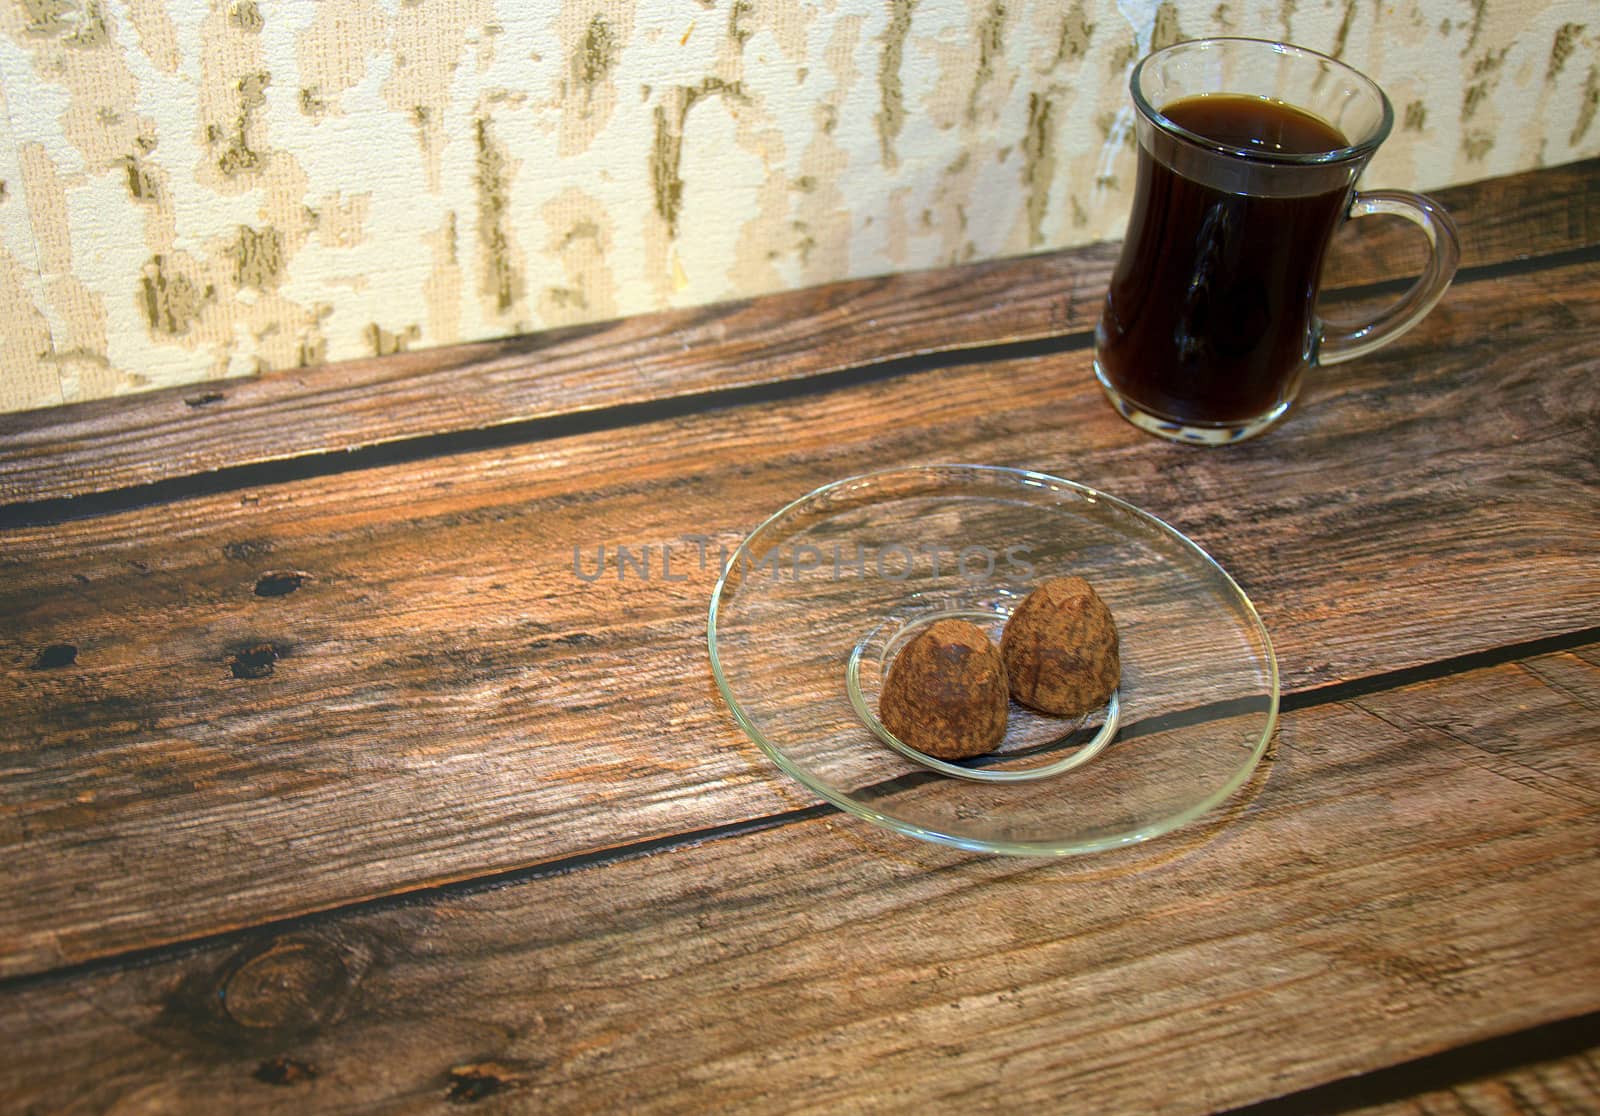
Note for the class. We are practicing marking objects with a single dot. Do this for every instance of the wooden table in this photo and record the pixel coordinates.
(326, 784)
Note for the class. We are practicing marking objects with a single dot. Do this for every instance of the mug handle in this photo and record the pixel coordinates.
(1336, 344)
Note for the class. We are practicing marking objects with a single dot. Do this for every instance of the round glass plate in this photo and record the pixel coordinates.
(813, 606)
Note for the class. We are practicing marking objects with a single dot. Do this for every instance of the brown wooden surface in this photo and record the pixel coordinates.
(404, 740)
(1315, 928)
(117, 443)
(380, 692)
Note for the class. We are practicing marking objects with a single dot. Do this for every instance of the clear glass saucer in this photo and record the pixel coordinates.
(815, 603)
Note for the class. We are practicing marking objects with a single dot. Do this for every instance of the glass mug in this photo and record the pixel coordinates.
(1248, 156)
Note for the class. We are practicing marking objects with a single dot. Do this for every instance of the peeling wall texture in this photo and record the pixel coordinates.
(193, 190)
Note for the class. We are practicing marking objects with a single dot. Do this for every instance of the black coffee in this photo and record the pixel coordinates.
(1209, 316)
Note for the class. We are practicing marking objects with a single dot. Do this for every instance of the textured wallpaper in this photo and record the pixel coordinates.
(194, 190)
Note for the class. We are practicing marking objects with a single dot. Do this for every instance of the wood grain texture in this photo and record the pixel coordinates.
(117, 443)
(442, 696)
(1389, 885)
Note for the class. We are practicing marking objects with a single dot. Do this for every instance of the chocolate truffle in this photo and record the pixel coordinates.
(1060, 649)
(946, 692)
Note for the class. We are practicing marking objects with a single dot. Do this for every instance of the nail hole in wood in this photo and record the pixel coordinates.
(284, 1071)
(204, 398)
(54, 656)
(470, 1084)
(280, 583)
(253, 662)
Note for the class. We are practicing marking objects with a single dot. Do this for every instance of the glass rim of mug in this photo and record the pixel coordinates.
(1361, 149)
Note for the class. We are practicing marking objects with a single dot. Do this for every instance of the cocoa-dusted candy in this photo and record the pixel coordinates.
(1060, 648)
(946, 693)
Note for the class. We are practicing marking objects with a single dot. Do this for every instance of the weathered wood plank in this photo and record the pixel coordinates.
(1554, 1068)
(451, 698)
(1552, 1085)
(117, 443)
(1379, 893)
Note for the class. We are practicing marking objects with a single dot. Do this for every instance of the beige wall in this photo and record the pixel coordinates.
(196, 190)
